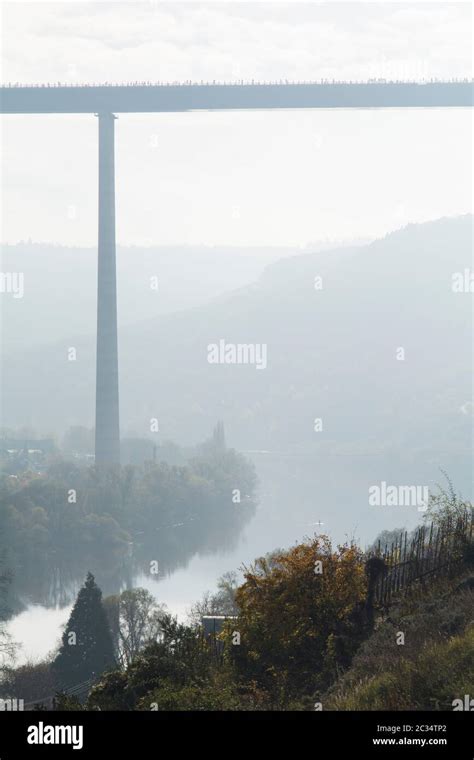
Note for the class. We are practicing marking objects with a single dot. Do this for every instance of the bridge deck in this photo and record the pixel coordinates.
(162, 98)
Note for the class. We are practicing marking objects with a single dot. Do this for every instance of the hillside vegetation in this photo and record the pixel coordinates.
(307, 635)
(432, 668)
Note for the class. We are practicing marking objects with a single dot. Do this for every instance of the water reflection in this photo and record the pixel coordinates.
(53, 579)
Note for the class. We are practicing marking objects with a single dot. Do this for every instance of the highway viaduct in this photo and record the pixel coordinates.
(108, 99)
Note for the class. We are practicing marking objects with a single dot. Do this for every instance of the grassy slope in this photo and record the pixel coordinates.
(433, 667)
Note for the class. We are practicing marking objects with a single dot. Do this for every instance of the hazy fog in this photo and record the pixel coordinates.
(335, 246)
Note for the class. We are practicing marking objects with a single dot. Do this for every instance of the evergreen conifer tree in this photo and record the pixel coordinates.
(87, 648)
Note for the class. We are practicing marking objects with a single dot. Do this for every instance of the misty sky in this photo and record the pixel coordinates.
(236, 178)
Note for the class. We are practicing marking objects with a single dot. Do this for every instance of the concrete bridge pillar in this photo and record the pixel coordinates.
(107, 428)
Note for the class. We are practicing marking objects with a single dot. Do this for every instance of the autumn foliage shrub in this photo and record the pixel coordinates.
(297, 611)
